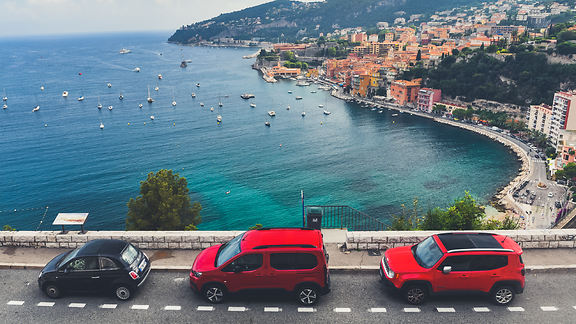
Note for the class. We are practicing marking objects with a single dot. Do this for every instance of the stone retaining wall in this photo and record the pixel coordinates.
(530, 239)
(197, 240)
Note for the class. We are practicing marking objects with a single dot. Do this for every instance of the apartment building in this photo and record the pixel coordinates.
(405, 92)
(540, 118)
(427, 97)
(564, 114)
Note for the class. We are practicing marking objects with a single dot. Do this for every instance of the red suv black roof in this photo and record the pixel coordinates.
(463, 241)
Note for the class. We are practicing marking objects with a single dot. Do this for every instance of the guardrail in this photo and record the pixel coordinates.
(350, 218)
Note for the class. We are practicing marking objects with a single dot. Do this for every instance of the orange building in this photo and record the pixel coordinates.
(282, 70)
(360, 83)
(405, 91)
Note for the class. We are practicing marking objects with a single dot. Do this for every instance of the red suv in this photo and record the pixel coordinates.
(291, 259)
(461, 263)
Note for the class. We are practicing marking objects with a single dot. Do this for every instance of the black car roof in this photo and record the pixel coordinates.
(461, 241)
(102, 247)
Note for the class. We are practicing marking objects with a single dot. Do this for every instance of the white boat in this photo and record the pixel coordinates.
(219, 118)
(99, 104)
(160, 76)
(124, 51)
(287, 107)
(137, 69)
(109, 85)
(298, 98)
(4, 98)
(110, 107)
(394, 115)
(36, 108)
(303, 113)
(101, 125)
(150, 100)
(253, 105)
(173, 98)
(302, 83)
(211, 108)
(140, 106)
(201, 104)
(219, 100)
(313, 91)
(198, 85)
(271, 113)
(65, 94)
(326, 112)
(5, 106)
(156, 89)
(267, 123)
(290, 92)
(152, 117)
(41, 86)
(321, 105)
(121, 96)
(193, 95)
(81, 98)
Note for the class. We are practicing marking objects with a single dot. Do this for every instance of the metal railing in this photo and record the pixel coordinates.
(350, 218)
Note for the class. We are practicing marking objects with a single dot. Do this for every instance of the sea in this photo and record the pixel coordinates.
(59, 160)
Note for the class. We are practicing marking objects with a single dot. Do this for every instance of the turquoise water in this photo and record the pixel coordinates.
(59, 157)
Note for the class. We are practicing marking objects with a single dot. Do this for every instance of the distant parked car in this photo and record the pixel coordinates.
(550, 194)
(99, 265)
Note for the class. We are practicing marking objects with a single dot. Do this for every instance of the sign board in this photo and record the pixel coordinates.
(70, 219)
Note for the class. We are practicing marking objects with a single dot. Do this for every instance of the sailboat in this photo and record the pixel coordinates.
(101, 125)
(35, 108)
(267, 123)
(81, 96)
(5, 106)
(219, 100)
(41, 86)
(156, 89)
(150, 100)
(173, 98)
(99, 104)
(4, 98)
(121, 96)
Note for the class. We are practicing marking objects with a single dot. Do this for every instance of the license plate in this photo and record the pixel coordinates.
(142, 265)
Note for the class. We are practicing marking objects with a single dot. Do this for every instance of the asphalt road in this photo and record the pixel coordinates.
(355, 298)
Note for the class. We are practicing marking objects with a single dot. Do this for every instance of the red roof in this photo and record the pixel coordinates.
(281, 236)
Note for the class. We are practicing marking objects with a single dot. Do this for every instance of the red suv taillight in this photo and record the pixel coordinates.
(523, 271)
(134, 275)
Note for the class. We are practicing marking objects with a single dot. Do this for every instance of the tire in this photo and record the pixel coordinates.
(503, 295)
(52, 290)
(415, 295)
(308, 295)
(215, 293)
(123, 292)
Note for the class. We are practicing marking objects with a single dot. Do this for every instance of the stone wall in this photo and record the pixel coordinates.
(197, 240)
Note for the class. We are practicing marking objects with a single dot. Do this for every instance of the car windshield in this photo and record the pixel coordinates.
(228, 250)
(427, 253)
(68, 257)
(129, 254)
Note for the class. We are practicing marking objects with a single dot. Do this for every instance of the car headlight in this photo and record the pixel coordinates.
(40, 274)
(196, 273)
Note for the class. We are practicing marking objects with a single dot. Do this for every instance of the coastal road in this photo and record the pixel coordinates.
(355, 298)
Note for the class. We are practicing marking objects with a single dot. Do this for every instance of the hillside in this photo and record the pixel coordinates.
(295, 19)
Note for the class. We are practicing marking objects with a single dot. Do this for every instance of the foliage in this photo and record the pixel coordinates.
(255, 227)
(8, 228)
(163, 205)
(463, 214)
(568, 172)
(551, 152)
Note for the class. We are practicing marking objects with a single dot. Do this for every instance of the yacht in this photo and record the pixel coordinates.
(193, 95)
(150, 100)
(326, 112)
(110, 107)
(140, 106)
(109, 85)
(65, 94)
(137, 69)
(201, 104)
(124, 51)
(101, 125)
(253, 105)
(152, 117)
(303, 113)
(298, 98)
(36, 108)
(160, 76)
(81, 98)
(198, 85)
(271, 113)
(287, 107)
(219, 118)
(267, 124)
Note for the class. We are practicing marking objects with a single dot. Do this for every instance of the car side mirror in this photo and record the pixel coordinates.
(446, 269)
(66, 271)
(237, 269)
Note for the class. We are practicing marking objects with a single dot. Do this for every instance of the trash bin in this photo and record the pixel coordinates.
(314, 217)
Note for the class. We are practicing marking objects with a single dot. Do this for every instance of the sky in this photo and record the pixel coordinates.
(50, 17)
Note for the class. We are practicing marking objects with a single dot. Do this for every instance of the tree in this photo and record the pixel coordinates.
(419, 55)
(455, 52)
(163, 205)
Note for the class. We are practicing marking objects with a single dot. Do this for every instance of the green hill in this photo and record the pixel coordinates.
(294, 19)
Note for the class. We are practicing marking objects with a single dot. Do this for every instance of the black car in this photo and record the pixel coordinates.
(100, 265)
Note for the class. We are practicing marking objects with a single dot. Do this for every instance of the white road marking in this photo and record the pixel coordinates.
(481, 309)
(205, 308)
(516, 309)
(411, 310)
(237, 309)
(108, 306)
(445, 310)
(179, 279)
(272, 309)
(46, 304)
(549, 308)
(140, 306)
(16, 303)
(77, 305)
(306, 310)
(377, 310)
(342, 310)
(173, 308)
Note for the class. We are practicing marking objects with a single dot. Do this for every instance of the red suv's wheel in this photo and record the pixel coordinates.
(215, 293)
(308, 295)
(503, 295)
(415, 295)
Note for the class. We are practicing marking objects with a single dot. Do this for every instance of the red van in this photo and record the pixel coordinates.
(292, 259)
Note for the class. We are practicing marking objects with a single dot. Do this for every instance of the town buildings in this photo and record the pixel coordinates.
(405, 92)
(427, 97)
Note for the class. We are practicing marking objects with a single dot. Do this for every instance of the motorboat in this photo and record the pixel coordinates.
(81, 98)
(313, 91)
(110, 107)
(5, 106)
(219, 118)
(271, 113)
(321, 105)
(124, 51)
(140, 106)
(247, 96)
(298, 98)
(253, 105)
(211, 108)
(198, 85)
(267, 124)
(137, 69)
(36, 108)
(326, 112)
(152, 117)
(394, 115)
(287, 107)
(201, 104)
(160, 76)
(64, 94)
(290, 92)
(303, 113)
(109, 85)
(193, 95)
(183, 64)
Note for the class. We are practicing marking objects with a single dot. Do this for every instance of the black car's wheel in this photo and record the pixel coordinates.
(215, 293)
(123, 292)
(503, 295)
(52, 290)
(415, 295)
(308, 295)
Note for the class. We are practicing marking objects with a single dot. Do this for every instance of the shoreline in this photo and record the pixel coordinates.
(502, 196)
